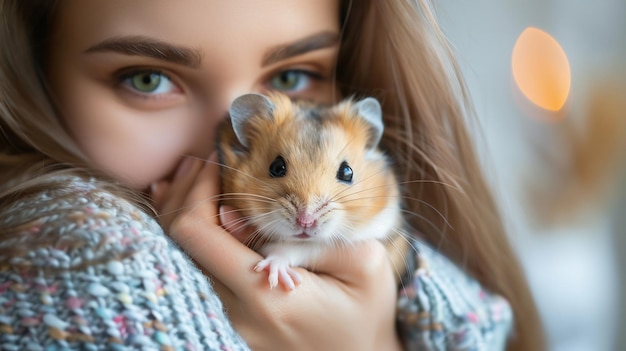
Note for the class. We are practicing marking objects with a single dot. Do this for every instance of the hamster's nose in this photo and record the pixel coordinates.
(306, 219)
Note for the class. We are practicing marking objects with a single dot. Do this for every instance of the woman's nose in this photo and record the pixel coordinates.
(213, 113)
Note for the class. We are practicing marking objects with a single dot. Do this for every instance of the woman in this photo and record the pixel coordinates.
(104, 102)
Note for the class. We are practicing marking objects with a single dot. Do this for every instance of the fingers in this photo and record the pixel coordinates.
(347, 283)
(158, 190)
(355, 264)
(189, 214)
(233, 223)
(190, 211)
(197, 230)
(171, 198)
(202, 185)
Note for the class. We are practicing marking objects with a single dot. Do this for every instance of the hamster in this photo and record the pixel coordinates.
(308, 177)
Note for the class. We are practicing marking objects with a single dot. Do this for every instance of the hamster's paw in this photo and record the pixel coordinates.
(280, 271)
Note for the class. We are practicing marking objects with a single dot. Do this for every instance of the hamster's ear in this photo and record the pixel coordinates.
(370, 110)
(245, 107)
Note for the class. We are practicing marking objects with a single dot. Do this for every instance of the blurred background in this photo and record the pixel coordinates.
(548, 79)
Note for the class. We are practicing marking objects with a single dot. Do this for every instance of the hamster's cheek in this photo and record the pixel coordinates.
(331, 226)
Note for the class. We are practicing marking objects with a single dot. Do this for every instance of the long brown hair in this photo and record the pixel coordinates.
(391, 49)
(395, 50)
(35, 146)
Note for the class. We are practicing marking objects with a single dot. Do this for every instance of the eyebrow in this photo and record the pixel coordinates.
(314, 42)
(149, 47)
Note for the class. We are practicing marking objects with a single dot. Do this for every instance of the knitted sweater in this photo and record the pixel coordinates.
(112, 280)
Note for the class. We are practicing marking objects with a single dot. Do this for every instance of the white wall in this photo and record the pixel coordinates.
(572, 268)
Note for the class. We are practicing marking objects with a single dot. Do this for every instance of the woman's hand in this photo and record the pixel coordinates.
(347, 304)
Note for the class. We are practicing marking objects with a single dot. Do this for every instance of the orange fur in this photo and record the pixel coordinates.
(313, 148)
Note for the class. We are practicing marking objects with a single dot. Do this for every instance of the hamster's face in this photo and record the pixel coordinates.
(309, 175)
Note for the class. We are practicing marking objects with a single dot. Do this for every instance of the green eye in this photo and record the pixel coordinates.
(146, 82)
(290, 80)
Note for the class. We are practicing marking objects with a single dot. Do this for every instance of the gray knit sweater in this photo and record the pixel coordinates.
(111, 280)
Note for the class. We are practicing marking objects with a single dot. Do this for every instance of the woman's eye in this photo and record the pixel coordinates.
(292, 80)
(148, 82)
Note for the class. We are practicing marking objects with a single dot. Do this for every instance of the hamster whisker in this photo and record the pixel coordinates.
(340, 240)
(413, 214)
(228, 167)
(432, 225)
(400, 183)
(406, 236)
(258, 201)
(425, 203)
(344, 233)
(359, 182)
(247, 219)
(339, 156)
(238, 224)
(255, 218)
(391, 242)
(246, 196)
(261, 235)
(209, 198)
(254, 240)
(336, 241)
(238, 210)
(364, 197)
(426, 181)
(370, 197)
(269, 230)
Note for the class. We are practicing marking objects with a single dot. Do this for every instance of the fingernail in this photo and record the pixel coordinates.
(153, 188)
(184, 167)
(224, 212)
(213, 156)
(230, 222)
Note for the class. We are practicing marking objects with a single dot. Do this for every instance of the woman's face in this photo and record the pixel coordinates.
(142, 83)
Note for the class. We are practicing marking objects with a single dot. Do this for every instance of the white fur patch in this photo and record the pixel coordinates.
(381, 225)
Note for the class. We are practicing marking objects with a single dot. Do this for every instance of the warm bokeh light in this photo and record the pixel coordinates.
(541, 69)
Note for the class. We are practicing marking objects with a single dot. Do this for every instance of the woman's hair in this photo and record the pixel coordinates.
(35, 146)
(391, 49)
(395, 50)
(29, 125)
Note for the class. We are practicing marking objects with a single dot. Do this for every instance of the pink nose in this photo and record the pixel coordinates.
(306, 220)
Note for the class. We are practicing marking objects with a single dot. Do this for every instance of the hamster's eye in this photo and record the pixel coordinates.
(278, 168)
(344, 173)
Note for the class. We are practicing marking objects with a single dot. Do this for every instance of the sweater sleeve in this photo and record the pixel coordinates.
(441, 308)
(110, 280)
